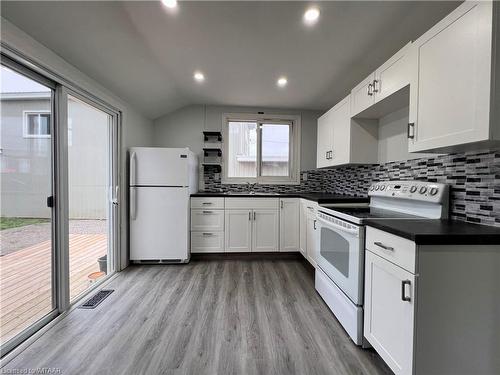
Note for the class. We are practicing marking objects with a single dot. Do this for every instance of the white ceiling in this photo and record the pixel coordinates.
(147, 55)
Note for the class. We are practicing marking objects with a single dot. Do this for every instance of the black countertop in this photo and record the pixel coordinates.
(321, 198)
(439, 232)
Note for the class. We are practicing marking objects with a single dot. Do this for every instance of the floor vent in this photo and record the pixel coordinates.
(96, 299)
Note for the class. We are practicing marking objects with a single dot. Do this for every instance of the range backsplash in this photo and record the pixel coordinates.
(474, 178)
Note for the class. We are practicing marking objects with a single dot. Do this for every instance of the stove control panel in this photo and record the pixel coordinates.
(412, 190)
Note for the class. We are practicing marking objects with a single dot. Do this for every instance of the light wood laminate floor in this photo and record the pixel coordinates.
(207, 317)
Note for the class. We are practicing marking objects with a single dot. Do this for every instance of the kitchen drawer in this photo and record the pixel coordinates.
(398, 250)
(207, 202)
(251, 203)
(207, 220)
(207, 242)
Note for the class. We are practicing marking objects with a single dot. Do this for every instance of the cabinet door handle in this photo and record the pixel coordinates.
(375, 82)
(281, 203)
(411, 130)
(403, 290)
(326, 155)
(208, 234)
(385, 247)
(254, 215)
(208, 212)
(249, 215)
(314, 224)
(370, 86)
(207, 203)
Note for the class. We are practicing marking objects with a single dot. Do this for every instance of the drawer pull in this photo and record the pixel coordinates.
(208, 234)
(207, 203)
(208, 212)
(385, 247)
(403, 290)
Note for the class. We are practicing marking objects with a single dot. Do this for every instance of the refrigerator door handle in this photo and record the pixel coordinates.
(133, 203)
(132, 168)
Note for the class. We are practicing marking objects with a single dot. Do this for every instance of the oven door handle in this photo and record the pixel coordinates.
(354, 232)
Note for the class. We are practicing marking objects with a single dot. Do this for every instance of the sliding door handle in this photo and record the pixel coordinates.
(50, 201)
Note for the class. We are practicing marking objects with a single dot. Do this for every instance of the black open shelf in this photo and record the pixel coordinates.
(216, 166)
(207, 135)
(208, 151)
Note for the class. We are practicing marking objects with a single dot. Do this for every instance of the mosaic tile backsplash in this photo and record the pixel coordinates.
(474, 179)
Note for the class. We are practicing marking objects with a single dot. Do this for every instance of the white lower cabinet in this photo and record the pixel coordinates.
(207, 225)
(289, 224)
(311, 236)
(432, 309)
(207, 242)
(389, 312)
(238, 230)
(302, 227)
(252, 224)
(265, 230)
(308, 233)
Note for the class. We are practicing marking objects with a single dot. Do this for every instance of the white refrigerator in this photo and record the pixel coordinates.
(161, 181)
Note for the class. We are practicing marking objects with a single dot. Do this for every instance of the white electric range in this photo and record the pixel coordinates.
(341, 244)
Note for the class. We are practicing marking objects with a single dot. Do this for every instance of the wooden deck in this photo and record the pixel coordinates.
(26, 280)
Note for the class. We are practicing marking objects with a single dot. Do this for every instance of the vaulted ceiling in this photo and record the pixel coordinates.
(147, 54)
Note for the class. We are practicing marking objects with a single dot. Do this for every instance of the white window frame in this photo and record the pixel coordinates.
(294, 159)
(25, 124)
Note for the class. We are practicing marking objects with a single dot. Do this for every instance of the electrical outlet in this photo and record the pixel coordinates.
(304, 176)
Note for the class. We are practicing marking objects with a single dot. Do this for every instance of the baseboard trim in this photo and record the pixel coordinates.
(292, 255)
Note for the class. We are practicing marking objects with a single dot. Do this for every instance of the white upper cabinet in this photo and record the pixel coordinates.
(391, 77)
(325, 139)
(362, 95)
(454, 92)
(345, 141)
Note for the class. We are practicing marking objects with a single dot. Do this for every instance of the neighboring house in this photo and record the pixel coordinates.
(242, 151)
(25, 151)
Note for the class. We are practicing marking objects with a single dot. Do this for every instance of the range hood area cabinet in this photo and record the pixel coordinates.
(391, 77)
(455, 87)
(342, 140)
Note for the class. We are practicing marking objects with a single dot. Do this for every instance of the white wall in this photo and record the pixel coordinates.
(184, 127)
(392, 138)
(137, 130)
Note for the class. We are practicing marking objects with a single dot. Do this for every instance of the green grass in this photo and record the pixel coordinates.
(15, 222)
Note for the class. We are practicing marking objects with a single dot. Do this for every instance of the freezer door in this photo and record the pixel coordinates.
(155, 166)
(159, 223)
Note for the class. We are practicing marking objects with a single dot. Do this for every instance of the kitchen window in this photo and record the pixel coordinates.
(261, 149)
(36, 124)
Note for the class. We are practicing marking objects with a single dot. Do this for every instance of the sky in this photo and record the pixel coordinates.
(11, 81)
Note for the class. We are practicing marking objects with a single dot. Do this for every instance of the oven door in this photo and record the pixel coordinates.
(341, 256)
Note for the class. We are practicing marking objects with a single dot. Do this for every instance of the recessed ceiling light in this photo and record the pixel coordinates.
(198, 76)
(282, 81)
(311, 16)
(169, 3)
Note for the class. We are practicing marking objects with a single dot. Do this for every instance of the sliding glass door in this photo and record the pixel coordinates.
(59, 152)
(92, 193)
(27, 257)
